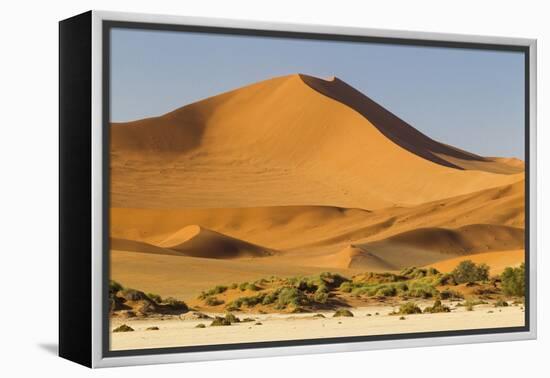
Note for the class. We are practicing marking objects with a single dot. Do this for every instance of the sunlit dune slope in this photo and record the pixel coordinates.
(289, 141)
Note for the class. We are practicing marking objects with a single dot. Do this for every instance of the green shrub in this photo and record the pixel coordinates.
(219, 321)
(415, 273)
(234, 286)
(200, 325)
(409, 308)
(133, 295)
(501, 303)
(321, 297)
(248, 286)
(468, 272)
(445, 279)
(437, 307)
(155, 297)
(513, 281)
(123, 328)
(290, 296)
(387, 291)
(270, 298)
(422, 290)
(176, 304)
(450, 294)
(213, 301)
(342, 312)
(114, 287)
(232, 318)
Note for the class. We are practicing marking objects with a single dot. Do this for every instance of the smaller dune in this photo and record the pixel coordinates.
(356, 257)
(197, 241)
(140, 247)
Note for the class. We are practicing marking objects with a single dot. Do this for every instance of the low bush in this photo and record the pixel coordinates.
(155, 297)
(219, 321)
(200, 325)
(422, 290)
(450, 294)
(321, 297)
(409, 308)
(123, 328)
(513, 281)
(290, 296)
(437, 307)
(501, 303)
(176, 304)
(342, 312)
(248, 286)
(232, 318)
(468, 272)
(133, 295)
(114, 287)
(219, 289)
(346, 287)
(415, 273)
(213, 301)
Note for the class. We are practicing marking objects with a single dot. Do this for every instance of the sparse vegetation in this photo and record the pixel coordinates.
(200, 325)
(176, 304)
(450, 294)
(213, 301)
(501, 303)
(155, 297)
(468, 272)
(342, 312)
(123, 328)
(219, 321)
(214, 291)
(409, 308)
(232, 318)
(153, 328)
(114, 287)
(513, 281)
(437, 307)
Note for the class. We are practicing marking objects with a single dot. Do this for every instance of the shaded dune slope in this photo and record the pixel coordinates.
(403, 134)
(427, 245)
(141, 247)
(195, 241)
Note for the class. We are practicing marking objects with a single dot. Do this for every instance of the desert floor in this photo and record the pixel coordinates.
(274, 327)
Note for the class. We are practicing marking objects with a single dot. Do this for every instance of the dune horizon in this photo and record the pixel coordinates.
(295, 176)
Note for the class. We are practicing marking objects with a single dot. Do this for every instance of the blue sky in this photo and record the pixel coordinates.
(471, 99)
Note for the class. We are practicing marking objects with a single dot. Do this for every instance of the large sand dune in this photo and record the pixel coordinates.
(288, 141)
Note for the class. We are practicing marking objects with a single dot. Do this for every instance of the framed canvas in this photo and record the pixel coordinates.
(234, 189)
